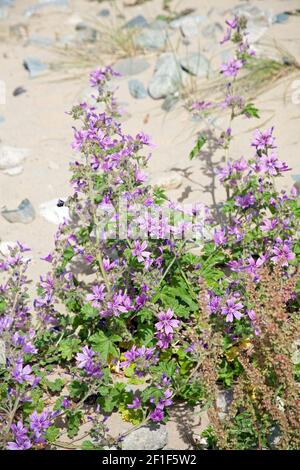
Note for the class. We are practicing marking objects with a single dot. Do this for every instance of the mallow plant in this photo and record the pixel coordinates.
(143, 291)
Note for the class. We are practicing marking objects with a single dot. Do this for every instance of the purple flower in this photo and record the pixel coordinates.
(142, 358)
(166, 400)
(166, 322)
(271, 164)
(220, 237)
(263, 140)
(245, 201)
(251, 314)
(39, 423)
(97, 296)
(231, 68)
(120, 303)
(232, 309)
(22, 374)
(85, 357)
(139, 251)
(157, 415)
(268, 225)
(89, 361)
(282, 254)
(232, 23)
(22, 441)
(135, 404)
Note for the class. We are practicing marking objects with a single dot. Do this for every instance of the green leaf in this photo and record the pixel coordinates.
(52, 434)
(87, 445)
(68, 347)
(89, 312)
(73, 422)
(77, 389)
(104, 345)
(250, 111)
(55, 386)
(196, 150)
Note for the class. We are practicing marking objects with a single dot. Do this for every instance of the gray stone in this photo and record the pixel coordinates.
(281, 18)
(137, 89)
(131, 66)
(138, 21)
(149, 437)
(159, 24)
(274, 438)
(188, 25)
(167, 77)
(223, 402)
(258, 20)
(2, 119)
(4, 6)
(86, 33)
(212, 30)
(24, 214)
(19, 91)
(42, 41)
(35, 67)
(104, 13)
(151, 39)
(169, 103)
(195, 64)
(44, 5)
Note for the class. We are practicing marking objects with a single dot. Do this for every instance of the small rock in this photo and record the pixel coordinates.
(19, 91)
(281, 18)
(2, 119)
(42, 41)
(104, 12)
(149, 437)
(138, 21)
(24, 214)
(131, 66)
(45, 5)
(35, 67)
(169, 103)
(11, 159)
(274, 438)
(151, 39)
(2, 353)
(195, 64)
(223, 402)
(167, 77)
(159, 24)
(5, 247)
(53, 213)
(86, 33)
(137, 89)
(171, 181)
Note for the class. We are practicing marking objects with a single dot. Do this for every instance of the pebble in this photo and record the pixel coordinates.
(167, 77)
(169, 103)
(148, 437)
(104, 12)
(35, 67)
(2, 119)
(171, 181)
(52, 213)
(137, 89)
(44, 5)
(223, 402)
(131, 66)
(19, 91)
(138, 21)
(11, 159)
(195, 64)
(86, 33)
(24, 214)
(151, 39)
(281, 18)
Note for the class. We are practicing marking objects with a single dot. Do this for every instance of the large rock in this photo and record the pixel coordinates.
(167, 77)
(149, 437)
(11, 159)
(188, 25)
(131, 66)
(151, 39)
(195, 64)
